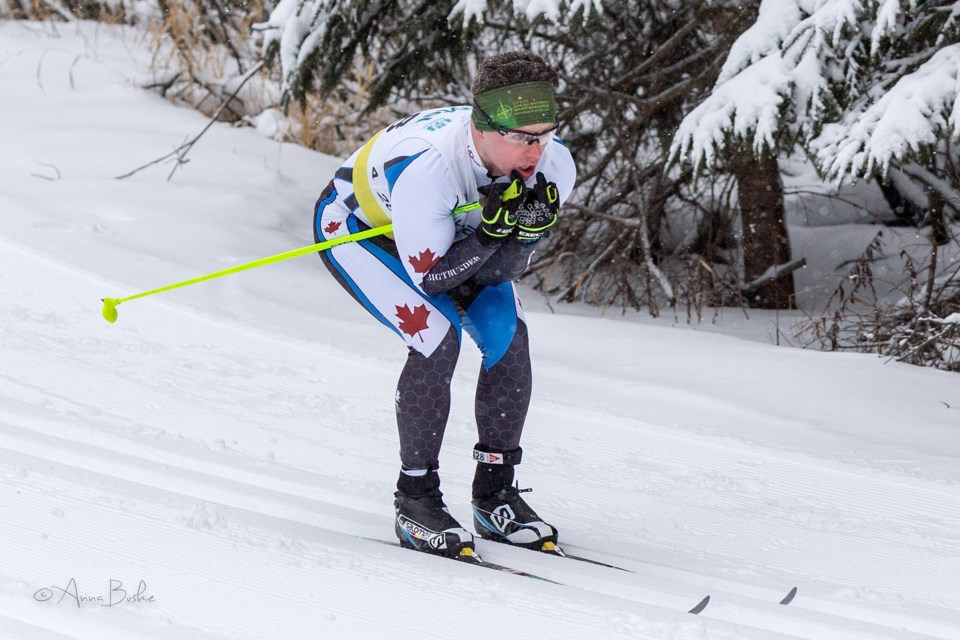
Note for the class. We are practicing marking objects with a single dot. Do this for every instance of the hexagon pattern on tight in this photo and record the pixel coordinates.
(503, 395)
(423, 399)
(423, 402)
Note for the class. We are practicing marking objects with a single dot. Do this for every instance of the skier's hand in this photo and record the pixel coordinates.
(539, 211)
(499, 217)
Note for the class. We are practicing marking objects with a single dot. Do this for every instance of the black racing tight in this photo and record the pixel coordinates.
(423, 399)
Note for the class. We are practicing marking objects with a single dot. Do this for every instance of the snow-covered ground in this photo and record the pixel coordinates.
(213, 465)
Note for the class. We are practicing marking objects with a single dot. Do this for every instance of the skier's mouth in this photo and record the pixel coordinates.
(526, 171)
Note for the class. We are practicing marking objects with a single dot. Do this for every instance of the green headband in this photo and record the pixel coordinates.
(518, 105)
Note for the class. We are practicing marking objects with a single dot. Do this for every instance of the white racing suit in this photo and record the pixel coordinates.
(432, 278)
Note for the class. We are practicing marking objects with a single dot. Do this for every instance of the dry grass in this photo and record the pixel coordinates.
(337, 125)
(201, 71)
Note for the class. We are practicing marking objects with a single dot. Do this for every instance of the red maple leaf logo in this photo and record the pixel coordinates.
(413, 322)
(423, 262)
(332, 227)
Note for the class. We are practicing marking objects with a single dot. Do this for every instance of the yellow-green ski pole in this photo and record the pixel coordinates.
(110, 304)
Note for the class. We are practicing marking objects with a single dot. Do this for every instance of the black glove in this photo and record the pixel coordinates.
(539, 211)
(499, 217)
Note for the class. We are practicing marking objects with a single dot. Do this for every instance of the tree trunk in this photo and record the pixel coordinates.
(905, 212)
(765, 240)
(939, 232)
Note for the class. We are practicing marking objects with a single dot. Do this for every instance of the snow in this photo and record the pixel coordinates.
(231, 445)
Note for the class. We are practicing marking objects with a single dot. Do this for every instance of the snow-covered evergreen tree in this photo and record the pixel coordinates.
(862, 85)
(867, 89)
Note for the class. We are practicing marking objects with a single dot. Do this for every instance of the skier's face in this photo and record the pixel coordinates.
(501, 154)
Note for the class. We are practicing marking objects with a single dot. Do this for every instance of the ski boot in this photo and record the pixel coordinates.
(499, 511)
(423, 522)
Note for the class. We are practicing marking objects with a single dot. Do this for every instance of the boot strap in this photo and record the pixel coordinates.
(511, 457)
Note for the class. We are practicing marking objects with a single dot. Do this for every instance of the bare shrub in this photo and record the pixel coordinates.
(922, 327)
(202, 48)
(64, 10)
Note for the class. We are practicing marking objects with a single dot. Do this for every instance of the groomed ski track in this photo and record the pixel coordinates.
(232, 470)
(230, 445)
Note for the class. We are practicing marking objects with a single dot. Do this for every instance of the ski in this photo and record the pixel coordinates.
(595, 562)
(474, 560)
(700, 606)
(505, 569)
(787, 599)
(553, 549)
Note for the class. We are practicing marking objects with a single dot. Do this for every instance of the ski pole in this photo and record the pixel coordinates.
(110, 304)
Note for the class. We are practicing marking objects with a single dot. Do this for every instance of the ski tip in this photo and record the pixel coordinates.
(700, 606)
(552, 547)
(790, 596)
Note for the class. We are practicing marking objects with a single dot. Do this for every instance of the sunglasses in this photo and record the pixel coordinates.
(515, 137)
